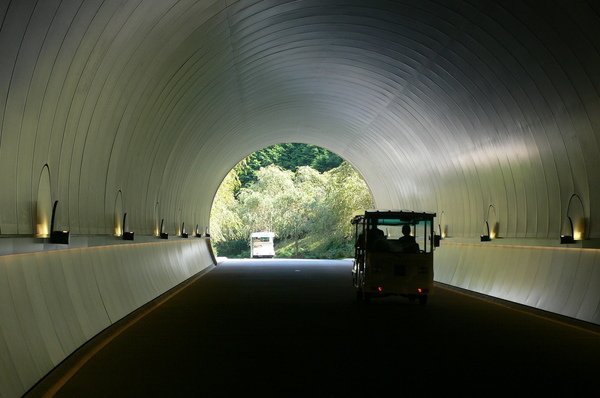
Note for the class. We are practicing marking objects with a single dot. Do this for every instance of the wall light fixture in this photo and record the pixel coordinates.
(127, 235)
(575, 232)
(163, 234)
(184, 234)
(437, 237)
(61, 237)
(486, 236)
(568, 239)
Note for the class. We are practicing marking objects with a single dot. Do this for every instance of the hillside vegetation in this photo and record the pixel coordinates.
(305, 194)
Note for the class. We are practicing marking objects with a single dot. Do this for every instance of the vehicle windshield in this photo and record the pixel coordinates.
(261, 239)
(394, 231)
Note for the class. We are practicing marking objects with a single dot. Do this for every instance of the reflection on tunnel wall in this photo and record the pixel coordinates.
(43, 205)
(441, 107)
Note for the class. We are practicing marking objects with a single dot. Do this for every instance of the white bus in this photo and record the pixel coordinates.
(261, 245)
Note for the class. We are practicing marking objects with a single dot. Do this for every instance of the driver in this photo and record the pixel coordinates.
(408, 242)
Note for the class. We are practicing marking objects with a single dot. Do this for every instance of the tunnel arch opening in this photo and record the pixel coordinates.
(303, 193)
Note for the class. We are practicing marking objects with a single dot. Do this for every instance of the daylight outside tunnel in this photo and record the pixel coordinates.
(304, 195)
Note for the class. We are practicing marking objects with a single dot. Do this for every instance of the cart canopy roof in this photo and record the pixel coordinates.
(393, 217)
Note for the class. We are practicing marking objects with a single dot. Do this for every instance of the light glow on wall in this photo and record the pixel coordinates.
(43, 205)
(579, 229)
(43, 229)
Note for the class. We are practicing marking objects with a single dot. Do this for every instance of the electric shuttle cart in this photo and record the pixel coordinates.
(262, 245)
(386, 262)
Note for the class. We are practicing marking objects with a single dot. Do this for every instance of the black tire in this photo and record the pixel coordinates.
(362, 297)
(423, 300)
(366, 297)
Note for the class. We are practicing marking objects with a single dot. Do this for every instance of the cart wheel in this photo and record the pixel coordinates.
(366, 297)
(422, 300)
(362, 297)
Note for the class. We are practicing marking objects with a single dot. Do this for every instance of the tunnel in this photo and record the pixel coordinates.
(125, 116)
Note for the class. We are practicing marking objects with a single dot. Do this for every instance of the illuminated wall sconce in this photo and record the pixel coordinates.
(184, 234)
(442, 232)
(197, 232)
(437, 237)
(163, 234)
(486, 237)
(60, 237)
(43, 205)
(568, 239)
(127, 235)
(575, 232)
(489, 235)
(436, 240)
(206, 233)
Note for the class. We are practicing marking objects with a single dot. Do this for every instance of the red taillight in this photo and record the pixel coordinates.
(420, 290)
(380, 289)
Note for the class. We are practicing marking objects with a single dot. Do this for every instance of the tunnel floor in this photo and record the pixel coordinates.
(294, 328)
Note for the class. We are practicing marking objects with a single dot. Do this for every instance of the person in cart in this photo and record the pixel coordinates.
(407, 241)
(374, 234)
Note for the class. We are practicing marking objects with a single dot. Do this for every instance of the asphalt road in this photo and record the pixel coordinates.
(293, 328)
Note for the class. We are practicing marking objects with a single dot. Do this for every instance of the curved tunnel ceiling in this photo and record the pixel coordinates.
(457, 107)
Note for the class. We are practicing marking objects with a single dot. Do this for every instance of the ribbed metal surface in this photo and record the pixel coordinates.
(446, 106)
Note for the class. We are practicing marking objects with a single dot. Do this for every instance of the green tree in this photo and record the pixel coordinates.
(283, 202)
(261, 203)
(225, 224)
(309, 211)
(289, 157)
(302, 204)
(347, 195)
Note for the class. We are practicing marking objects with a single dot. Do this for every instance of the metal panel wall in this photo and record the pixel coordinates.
(558, 280)
(441, 106)
(52, 302)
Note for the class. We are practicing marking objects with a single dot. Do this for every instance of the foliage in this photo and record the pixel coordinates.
(229, 226)
(347, 196)
(262, 202)
(288, 157)
(309, 210)
(234, 248)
